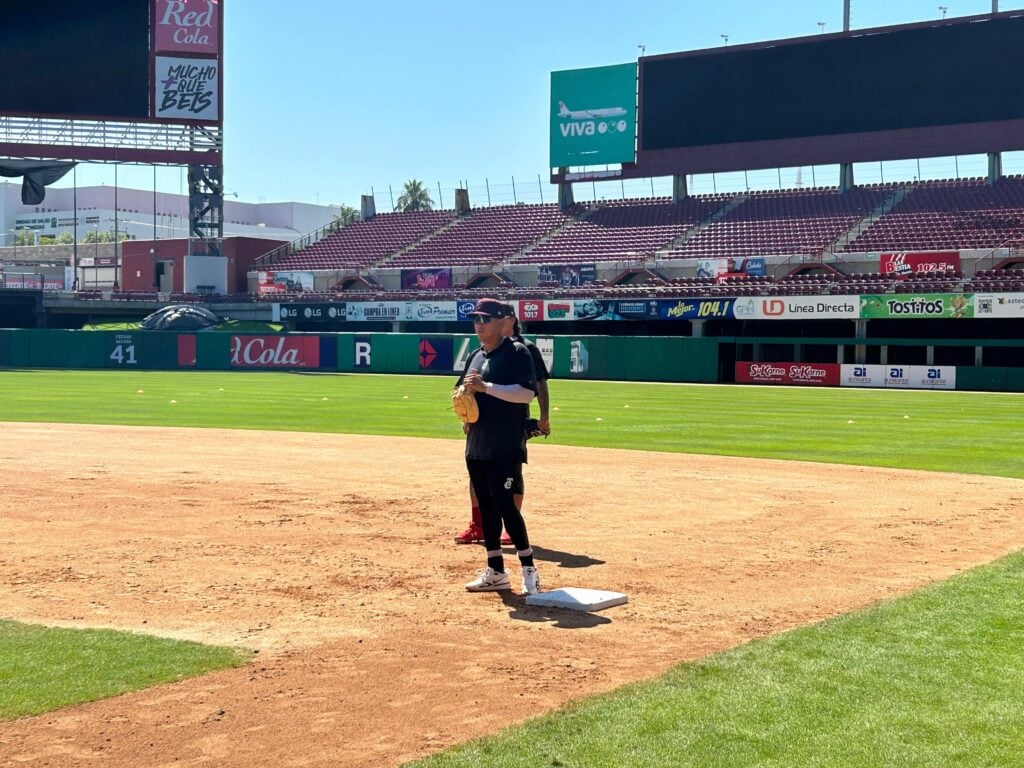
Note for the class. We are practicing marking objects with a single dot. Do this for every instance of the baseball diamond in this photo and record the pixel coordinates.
(329, 569)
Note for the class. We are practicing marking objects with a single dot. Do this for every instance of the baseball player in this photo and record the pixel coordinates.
(500, 373)
(474, 532)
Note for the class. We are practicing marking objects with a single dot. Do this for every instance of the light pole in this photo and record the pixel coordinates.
(725, 39)
(943, 8)
(96, 257)
(821, 27)
(643, 49)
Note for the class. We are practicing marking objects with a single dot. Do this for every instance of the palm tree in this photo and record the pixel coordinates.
(346, 214)
(414, 197)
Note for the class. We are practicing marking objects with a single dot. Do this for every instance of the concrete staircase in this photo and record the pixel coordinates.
(861, 226)
(551, 234)
(695, 230)
(383, 261)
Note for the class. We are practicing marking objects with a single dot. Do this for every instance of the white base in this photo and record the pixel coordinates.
(577, 599)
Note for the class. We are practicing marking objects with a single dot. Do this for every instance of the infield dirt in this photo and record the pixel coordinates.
(332, 555)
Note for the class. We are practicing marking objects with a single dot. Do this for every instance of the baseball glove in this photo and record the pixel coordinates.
(464, 405)
(533, 429)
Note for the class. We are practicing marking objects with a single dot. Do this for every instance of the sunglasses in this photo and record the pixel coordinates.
(481, 320)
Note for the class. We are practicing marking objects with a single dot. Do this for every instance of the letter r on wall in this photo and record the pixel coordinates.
(362, 353)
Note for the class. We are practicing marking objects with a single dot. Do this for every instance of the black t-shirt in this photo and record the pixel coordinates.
(499, 430)
(540, 370)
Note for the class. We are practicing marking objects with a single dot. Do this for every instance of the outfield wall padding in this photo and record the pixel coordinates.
(616, 358)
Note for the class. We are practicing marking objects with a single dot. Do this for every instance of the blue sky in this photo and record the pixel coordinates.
(327, 100)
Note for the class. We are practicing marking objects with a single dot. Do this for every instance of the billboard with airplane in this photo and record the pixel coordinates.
(593, 116)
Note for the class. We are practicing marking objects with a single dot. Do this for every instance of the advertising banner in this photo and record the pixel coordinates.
(316, 313)
(187, 26)
(594, 309)
(607, 309)
(909, 305)
(920, 377)
(530, 309)
(579, 356)
(901, 265)
(797, 308)
(712, 267)
(293, 281)
(54, 283)
(568, 275)
(462, 309)
(999, 305)
(546, 346)
(804, 374)
(436, 310)
(187, 88)
(436, 354)
(463, 350)
(593, 116)
(427, 279)
(695, 309)
(637, 309)
(359, 311)
(862, 375)
(558, 310)
(96, 261)
(23, 280)
(266, 284)
(753, 267)
(275, 352)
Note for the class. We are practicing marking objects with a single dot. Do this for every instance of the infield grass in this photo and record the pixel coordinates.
(969, 432)
(930, 679)
(44, 668)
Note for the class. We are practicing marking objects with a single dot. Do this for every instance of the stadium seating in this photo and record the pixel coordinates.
(950, 214)
(799, 222)
(485, 236)
(787, 222)
(621, 229)
(365, 243)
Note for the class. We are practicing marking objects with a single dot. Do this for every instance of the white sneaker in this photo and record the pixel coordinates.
(531, 580)
(489, 580)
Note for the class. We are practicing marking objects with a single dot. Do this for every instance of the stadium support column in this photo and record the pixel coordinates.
(845, 177)
(679, 192)
(205, 209)
(565, 198)
(995, 167)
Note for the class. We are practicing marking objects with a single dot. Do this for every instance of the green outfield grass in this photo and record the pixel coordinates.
(932, 679)
(948, 431)
(43, 668)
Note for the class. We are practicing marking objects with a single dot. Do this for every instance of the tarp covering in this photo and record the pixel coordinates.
(38, 174)
(180, 317)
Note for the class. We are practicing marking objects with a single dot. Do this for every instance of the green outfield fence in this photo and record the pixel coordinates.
(616, 358)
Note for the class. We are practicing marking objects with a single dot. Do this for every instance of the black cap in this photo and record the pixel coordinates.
(491, 308)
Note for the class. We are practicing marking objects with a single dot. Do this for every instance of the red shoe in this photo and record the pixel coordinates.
(472, 535)
(506, 540)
